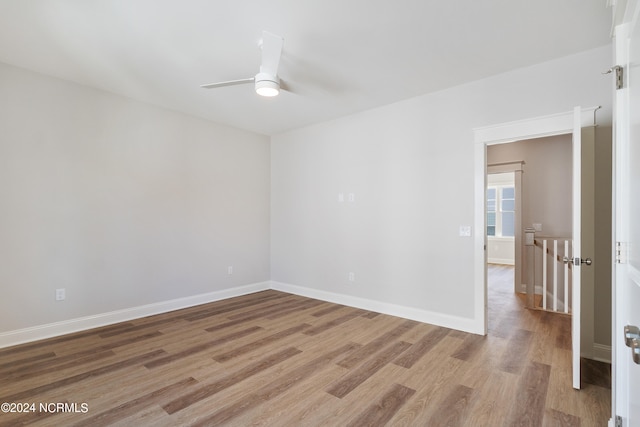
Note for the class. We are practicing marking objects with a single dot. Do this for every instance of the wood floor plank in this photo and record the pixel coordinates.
(291, 411)
(488, 407)
(275, 308)
(272, 389)
(595, 373)
(136, 405)
(230, 380)
(366, 370)
(553, 418)
(544, 338)
(484, 365)
(515, 357)
(352, 314)
(373, 346)
(52, 341)
(327, 310)
(384, 409)
(76, 357)
(563, 327)
(59, 365)
(528, 410)
(422, 347)
(295, 310)
(560, 394)
(268, 340)
(15, 364)
(430, 377)
(470, 347)
(371, 315)
(253, 315)
(454, 409)
(134, 361)
(255, 301)
(201, 347)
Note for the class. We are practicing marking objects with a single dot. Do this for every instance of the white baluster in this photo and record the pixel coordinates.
(555, 275)
(544, 274)
(566, 278)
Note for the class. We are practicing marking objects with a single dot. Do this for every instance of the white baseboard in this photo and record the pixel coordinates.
(501, 261)
(537, 289)
(424, 316)
(34, 333)
(602, 353)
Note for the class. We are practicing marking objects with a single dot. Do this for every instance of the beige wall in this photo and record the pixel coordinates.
(603, 226)
(546, 180)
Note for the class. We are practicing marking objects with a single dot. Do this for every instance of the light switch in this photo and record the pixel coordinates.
(465, 231)
(537, 227)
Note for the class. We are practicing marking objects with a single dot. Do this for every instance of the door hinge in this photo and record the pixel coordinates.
(621, 252)
(619, 75)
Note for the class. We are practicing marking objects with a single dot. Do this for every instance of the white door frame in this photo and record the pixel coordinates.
(538, 127)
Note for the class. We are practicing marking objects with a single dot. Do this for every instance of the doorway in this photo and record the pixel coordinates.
(566, 123)
(534, 198)
(503, 213)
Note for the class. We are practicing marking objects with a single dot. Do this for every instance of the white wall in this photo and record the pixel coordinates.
(501, 250)
(391, 159)
(121, 203)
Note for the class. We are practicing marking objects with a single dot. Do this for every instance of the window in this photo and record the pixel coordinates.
(501, 202)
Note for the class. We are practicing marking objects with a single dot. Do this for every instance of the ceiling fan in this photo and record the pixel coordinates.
(267, 82)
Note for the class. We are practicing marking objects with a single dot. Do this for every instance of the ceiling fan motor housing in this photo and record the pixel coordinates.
(267, 84)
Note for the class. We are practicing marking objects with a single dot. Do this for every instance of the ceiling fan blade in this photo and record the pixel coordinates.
(286, 86)
(271, 51)
(229, 83)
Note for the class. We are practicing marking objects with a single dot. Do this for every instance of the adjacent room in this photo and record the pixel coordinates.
(266, 213)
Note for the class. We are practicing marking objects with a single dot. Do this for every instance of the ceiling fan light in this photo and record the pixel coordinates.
(267, 88)
(267, 84)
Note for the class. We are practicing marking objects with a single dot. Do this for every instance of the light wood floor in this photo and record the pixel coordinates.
(274, 359)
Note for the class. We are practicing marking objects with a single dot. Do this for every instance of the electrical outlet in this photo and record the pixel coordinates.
(352, 276)
(61, 294)
(230, 269)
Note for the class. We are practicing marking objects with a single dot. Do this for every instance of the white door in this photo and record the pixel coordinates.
(576, 231)
(626, 283)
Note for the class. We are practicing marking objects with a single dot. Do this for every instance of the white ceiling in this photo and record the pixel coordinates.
(340, 56)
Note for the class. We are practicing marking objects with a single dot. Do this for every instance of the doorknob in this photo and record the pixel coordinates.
(631, 333)
(635, 350)
(577, 261)
(632, 339)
